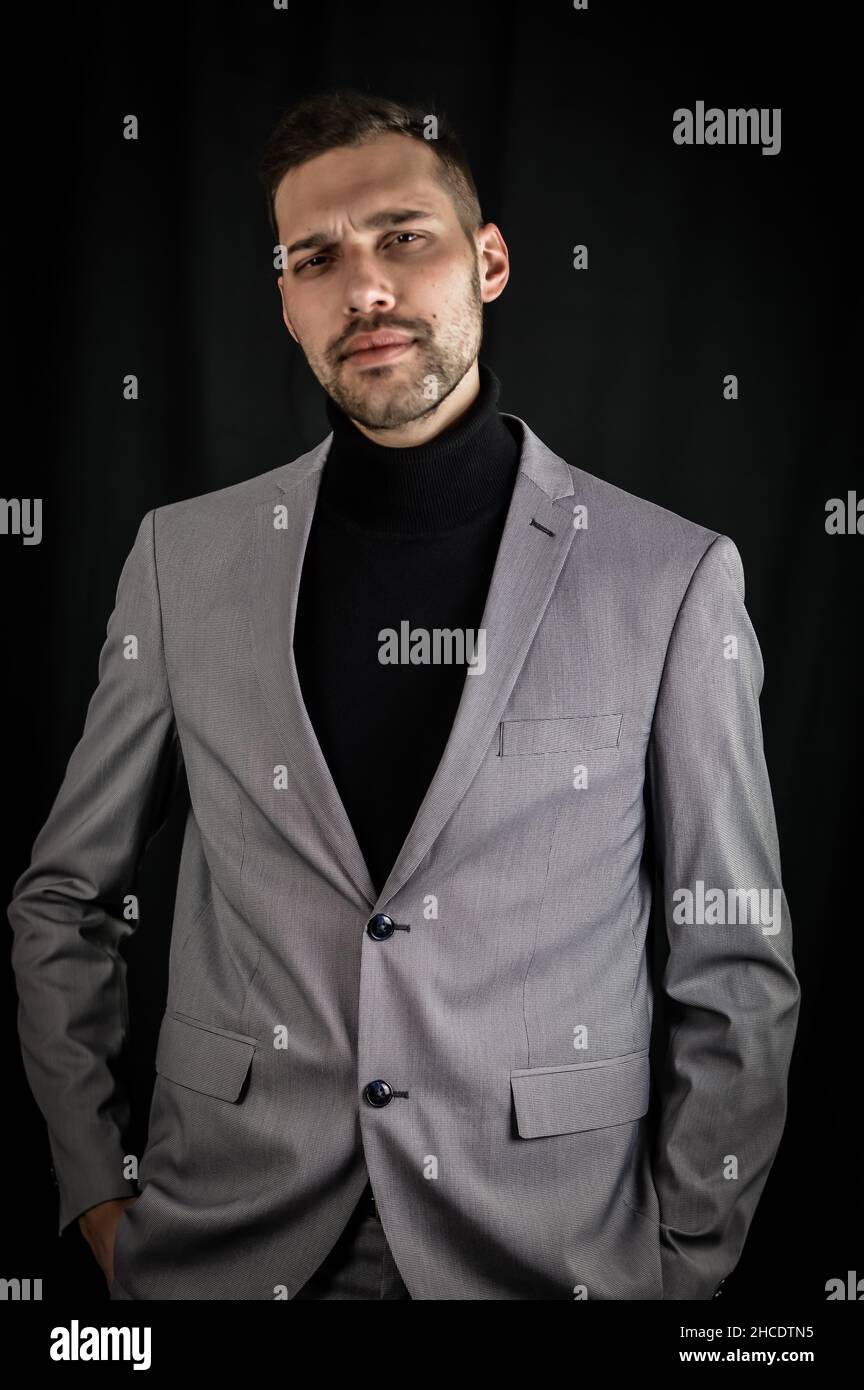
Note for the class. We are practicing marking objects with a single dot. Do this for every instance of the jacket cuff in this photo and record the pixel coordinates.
(101, 1182)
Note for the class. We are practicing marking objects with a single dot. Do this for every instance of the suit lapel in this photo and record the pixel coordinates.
(536, 539)
(282, 526)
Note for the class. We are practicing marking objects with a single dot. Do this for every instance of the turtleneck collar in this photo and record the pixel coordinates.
(467, 469)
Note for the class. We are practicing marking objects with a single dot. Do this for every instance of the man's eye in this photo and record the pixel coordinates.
(312, 259)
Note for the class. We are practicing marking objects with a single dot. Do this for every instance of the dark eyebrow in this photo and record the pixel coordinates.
(390, 217)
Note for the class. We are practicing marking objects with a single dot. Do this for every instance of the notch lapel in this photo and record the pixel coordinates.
(274, 585)
(526, 570)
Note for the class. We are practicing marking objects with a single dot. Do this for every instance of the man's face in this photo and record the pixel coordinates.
(384, 251)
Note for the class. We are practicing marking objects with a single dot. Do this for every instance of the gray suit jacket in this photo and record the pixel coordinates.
(506, 1020)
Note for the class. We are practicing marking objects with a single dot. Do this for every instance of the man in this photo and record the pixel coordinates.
(445, 704)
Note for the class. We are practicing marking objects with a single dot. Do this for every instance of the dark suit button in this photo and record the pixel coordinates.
(380, 927)
(377, 1093)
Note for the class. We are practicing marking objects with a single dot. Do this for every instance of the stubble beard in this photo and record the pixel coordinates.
(416, 391)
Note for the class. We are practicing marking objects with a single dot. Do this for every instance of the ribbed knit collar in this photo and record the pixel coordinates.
(467, 469)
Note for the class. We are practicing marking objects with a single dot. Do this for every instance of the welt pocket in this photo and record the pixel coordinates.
(565, 735)
(587, 1095)
(202, 1057)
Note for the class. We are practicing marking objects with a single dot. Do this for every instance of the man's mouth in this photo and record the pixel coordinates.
(372, 348)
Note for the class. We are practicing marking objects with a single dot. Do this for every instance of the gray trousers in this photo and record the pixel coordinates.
(361, 1264)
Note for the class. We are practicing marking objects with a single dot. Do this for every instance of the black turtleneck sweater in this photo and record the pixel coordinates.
(397, 534)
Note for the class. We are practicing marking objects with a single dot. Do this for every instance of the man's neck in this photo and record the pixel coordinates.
(466, 469)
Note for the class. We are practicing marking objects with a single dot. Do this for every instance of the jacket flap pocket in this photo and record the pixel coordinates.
(204, 1058)
(560, 1100)
(559, 735)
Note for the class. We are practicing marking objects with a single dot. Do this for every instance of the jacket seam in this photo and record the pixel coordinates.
(673, 628)
(153, 512)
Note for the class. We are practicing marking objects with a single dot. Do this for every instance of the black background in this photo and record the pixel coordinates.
(154, 257)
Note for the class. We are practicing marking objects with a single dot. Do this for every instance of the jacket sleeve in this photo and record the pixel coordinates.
(70, 908)
(730, 987)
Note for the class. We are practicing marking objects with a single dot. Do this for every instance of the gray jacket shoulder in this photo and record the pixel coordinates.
(635, 518)
(648, 550)
(217, 523)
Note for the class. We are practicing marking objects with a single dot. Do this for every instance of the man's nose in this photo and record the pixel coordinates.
(365, 292)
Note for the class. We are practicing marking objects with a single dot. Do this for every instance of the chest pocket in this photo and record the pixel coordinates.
(520, 736)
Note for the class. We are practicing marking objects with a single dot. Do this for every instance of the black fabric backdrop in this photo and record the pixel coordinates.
(154, 257)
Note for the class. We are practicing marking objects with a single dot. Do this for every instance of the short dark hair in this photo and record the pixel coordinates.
(344, 116)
